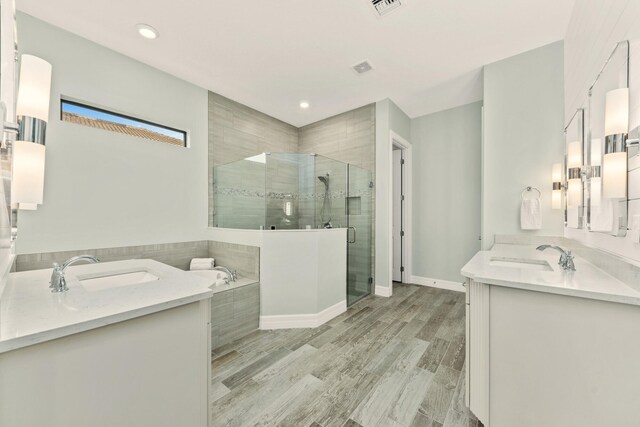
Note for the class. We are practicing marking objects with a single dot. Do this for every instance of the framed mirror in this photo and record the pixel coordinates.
(608, 117)
(574, 205)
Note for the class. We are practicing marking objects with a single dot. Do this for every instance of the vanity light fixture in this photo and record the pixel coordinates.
(574, 174)
(616, 128)
(596, 171)
(32, 111)
(147, 31)
(304, 105)
(556, 179)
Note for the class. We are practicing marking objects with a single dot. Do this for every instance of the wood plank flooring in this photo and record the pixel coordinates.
(395, 361)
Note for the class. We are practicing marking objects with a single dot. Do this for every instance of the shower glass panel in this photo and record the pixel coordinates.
(239, 193)
(359, 209)
(291, 191)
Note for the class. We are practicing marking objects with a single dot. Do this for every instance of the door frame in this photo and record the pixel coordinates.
(407, 155)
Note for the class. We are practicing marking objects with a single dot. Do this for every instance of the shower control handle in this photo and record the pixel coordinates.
(354, 235)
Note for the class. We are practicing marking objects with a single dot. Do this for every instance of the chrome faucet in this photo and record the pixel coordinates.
(233, 275)
(58, 282)
(566, 259)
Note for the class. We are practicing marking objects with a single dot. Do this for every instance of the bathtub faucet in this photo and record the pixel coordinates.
(233, 275)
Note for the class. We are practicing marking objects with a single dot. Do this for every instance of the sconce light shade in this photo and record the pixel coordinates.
(616, 126)
(35, 88)
(616, 112)
(614, 173)
(32, 109)
(28, 174)
(556, 193)
(574, 177)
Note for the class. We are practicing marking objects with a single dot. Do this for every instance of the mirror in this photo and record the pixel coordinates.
(608, 204)
(8, 92)
(574, 160)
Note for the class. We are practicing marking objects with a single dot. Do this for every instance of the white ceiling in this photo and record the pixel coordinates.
(271, 54)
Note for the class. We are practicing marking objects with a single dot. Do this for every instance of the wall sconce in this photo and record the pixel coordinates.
(556, 193)
(574, 174)
(616, 127)
(596, 171)
(32, 110)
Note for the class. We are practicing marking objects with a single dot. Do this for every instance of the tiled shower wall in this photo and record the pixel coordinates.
(237, 131)
(348, 137)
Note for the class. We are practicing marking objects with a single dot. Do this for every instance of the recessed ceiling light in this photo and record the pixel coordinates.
(304, 104)
(147, 31)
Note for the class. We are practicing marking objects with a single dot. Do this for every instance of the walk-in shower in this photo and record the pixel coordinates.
(290, 191)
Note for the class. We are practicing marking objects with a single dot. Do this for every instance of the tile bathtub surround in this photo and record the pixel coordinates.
(234, 314)
(244, 259)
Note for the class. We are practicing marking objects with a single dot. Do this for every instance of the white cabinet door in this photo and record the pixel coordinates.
(478, 362)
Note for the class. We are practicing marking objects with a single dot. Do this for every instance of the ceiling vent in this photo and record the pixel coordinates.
(382, 7)
(362, 67)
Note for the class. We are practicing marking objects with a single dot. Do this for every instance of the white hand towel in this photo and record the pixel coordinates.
(202, 264)
(530, 214)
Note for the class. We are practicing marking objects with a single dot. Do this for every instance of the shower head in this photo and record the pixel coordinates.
(324, 179)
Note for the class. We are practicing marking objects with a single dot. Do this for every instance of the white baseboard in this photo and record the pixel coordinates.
(436, 283)
(383, 291)
(293, 321)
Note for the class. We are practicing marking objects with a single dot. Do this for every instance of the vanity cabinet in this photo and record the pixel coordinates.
(547, 359)
(477, 339)
(151, 370)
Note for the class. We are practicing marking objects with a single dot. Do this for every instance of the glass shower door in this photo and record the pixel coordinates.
(359, 209)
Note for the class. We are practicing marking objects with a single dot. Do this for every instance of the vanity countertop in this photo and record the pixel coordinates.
(31, 314)
(587, 281)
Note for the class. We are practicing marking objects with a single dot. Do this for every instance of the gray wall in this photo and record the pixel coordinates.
(523, 137)
(237, 131)
(104, 189)
(348, 137)
(388, 118)
(446, 191)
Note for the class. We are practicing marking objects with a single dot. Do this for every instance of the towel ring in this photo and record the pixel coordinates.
(528, 189)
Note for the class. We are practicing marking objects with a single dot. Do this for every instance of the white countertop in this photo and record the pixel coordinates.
(587, 281)
(31, 314)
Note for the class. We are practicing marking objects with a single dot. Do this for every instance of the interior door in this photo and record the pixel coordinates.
(398, 196)
(360, 229)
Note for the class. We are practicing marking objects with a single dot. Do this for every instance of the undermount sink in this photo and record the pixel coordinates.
(116, 280)
(527, 264)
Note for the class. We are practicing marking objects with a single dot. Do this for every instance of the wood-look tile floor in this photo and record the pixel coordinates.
(395, 361)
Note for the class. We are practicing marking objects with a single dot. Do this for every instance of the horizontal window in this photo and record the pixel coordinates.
(86, 115)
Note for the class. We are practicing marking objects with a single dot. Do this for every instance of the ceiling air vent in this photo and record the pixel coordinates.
(362, 67)
(383, 7)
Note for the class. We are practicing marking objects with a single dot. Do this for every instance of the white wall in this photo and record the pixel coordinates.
(388, 118)
(104, 189)
(446, 191)
(594, 29)
(523, 137)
